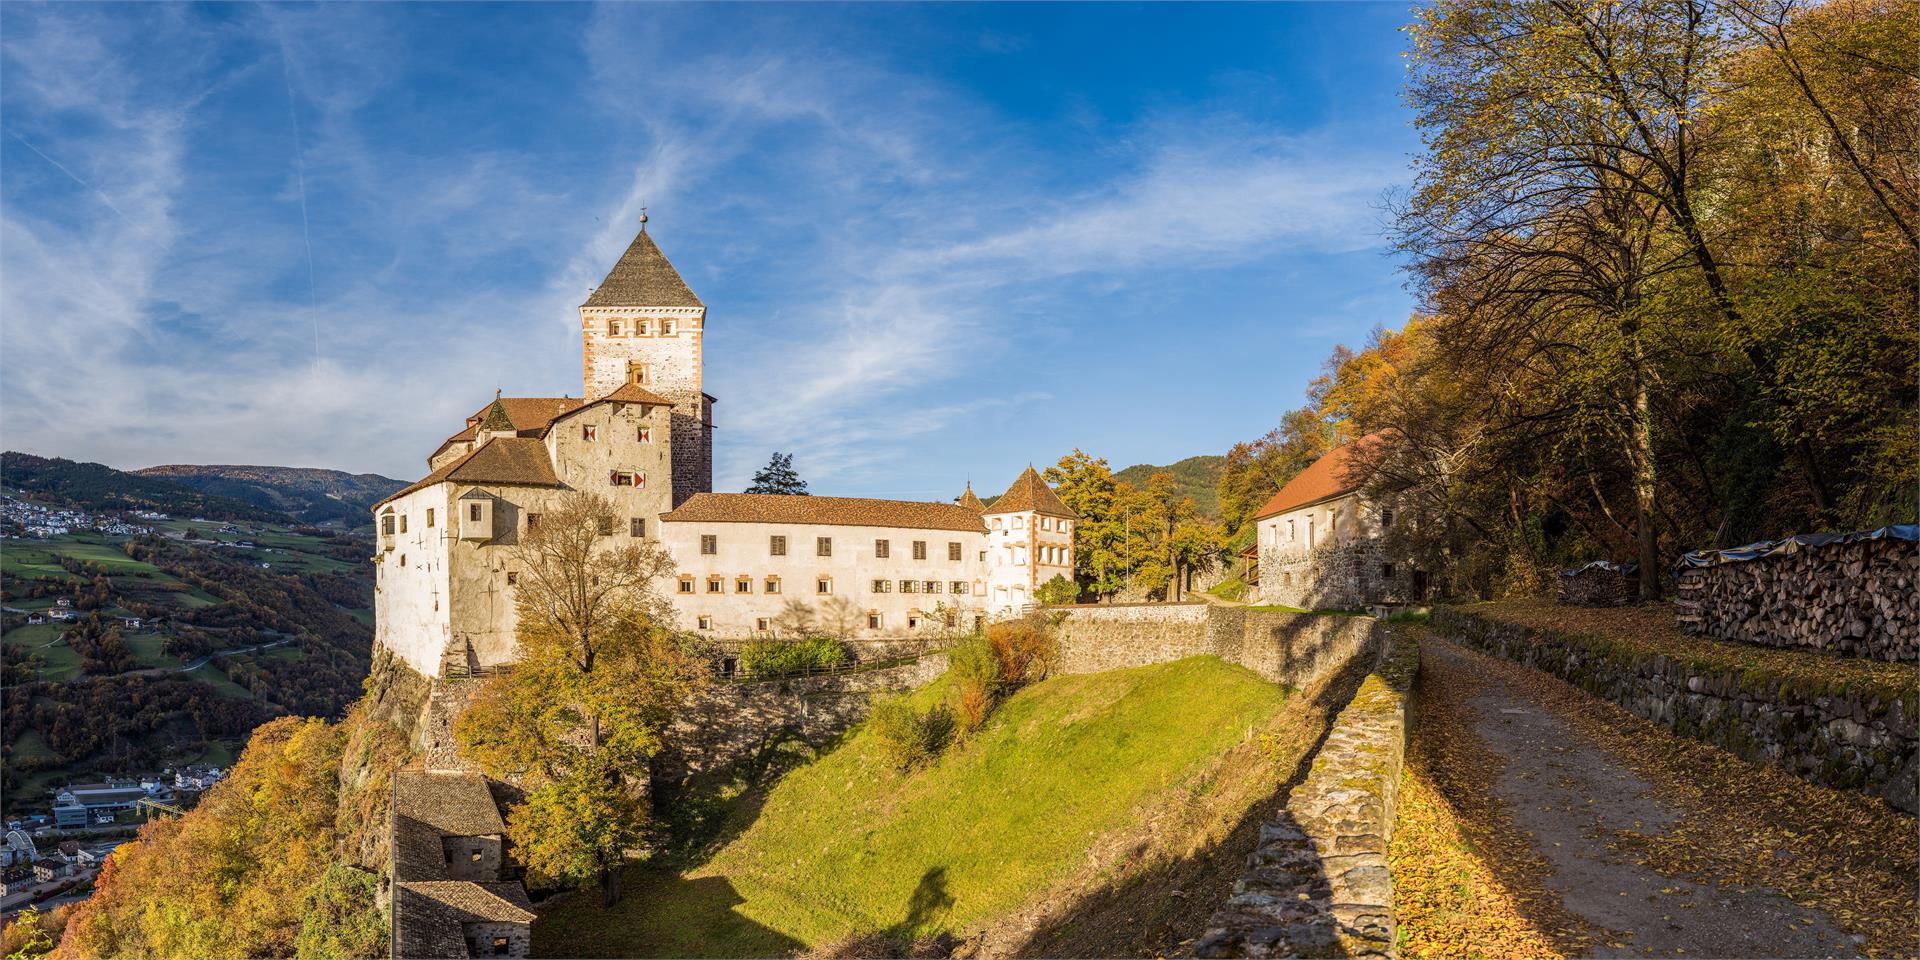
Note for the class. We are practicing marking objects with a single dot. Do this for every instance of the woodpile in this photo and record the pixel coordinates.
(1860, 598)
(1600, 584)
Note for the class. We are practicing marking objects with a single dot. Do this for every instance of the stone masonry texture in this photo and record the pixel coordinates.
(1317, 883)
(1849, 740)
(1292, 648)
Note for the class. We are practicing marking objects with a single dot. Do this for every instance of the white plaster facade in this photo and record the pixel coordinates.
(642, 437)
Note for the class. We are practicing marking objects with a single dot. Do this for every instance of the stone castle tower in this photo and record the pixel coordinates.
(643, 325)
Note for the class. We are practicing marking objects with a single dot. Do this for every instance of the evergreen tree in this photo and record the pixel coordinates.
(778, 476)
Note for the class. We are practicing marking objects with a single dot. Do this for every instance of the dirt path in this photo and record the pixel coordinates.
(1597, 847)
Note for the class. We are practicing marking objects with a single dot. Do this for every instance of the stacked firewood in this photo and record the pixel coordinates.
(1600, 585)
(1860, 599)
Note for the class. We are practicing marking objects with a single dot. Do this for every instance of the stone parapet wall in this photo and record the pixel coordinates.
(1317, 883)
(728, 721)
(1835, 736)
(1292, 648)
(1860, 598)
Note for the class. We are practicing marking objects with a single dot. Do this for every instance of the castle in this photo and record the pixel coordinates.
(747, 565)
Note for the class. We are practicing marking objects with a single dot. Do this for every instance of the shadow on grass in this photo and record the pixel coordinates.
(1162, 909)
(660, 914)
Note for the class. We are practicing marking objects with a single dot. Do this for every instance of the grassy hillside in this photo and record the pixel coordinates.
(1196, 477)
(846, 845)
(307, 494)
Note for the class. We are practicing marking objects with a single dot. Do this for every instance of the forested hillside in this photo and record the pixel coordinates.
(98, 486)
(306, 494)
(1195, 478)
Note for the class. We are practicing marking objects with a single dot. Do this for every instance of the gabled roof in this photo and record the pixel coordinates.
(1029, 493)
(634, 393)
(513, 461)
(428, 914)
(970, 501)
(431, 804)
(643, 278)
(841, 511)
(495, 420)
(530, 416)
(1340, 471)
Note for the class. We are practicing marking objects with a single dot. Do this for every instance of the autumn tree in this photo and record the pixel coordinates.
(1101, 560)
(599, 677)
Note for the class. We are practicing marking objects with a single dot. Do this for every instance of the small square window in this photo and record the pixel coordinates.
(533, 521)
(823, 546)
(824, 585)
(643, 435)
(883, 586)
(873, 621)
(931, 586)
(473, 512)
(636, 527)
(686, 584)
(882, 549)
(961, 587)
(909, 586)
(709, 544)
(953, 550)
(919, 549)
(606, 526)
(772, 585)
(743, 585)
(716, 585)
(513, 577)
(589, 432)
(777, 545)
(706, 623)
(763, 624)
(666, 328)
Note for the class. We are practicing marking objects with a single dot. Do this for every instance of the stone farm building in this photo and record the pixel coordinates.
(1322, 544)
(641, 434)
(452, 896)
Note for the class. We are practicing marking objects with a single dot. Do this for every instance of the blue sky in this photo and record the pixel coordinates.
(934, 241)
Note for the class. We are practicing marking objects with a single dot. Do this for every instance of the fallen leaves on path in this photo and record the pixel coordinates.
(1466, 880)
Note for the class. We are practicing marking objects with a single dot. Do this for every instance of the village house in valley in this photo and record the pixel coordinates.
(1322, 544)
(747, 565)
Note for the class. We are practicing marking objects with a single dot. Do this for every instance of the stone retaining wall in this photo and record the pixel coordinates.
(1850, 740)
(732, 720)
(1318, 883)
(1860, 598)
(1291, 648)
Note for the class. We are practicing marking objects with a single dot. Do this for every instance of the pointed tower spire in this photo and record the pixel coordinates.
(643, 278)
(970, 501)
(496, 420)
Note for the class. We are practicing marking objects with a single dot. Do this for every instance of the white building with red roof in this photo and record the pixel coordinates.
(1323, 545)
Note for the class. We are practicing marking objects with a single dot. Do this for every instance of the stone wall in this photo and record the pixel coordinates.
(1317, 883)
(1860, 598)
(732, 720)
(1835, 738)
(1292, 648)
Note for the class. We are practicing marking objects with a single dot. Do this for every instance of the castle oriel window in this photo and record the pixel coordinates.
(386, 524)
(777, 545)
(882, 549)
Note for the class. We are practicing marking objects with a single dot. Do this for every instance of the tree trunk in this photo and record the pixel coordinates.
(1640, 455)
(609, 886)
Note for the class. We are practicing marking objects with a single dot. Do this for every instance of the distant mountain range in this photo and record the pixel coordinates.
(306, 494)
(291, 495)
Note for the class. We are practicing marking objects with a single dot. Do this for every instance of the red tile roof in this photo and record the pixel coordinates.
(1030, 493)
(512, 461)
(1342, 470)
(841, 511)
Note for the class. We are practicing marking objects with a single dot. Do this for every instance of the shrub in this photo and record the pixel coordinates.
(1024, 648)
(1057, 591)
(976, 671)
(774, 657)
(910, 737)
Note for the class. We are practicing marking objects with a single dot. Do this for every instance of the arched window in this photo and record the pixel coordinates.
(641, 328)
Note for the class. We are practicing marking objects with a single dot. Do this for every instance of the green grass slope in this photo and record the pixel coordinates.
(845, 844)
